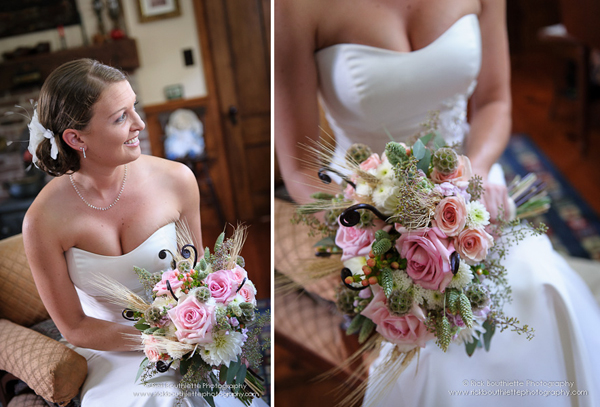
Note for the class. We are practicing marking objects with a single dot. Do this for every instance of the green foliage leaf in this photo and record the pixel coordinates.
(438, 141)
(426, 138)
(365, 330)
(210, 400)
(355, 324)
(327, 241)
(489, 332)
(234, 367)
(424, 162)
(470, 347)
(142, 325)
(184, 365)
(223, 373)
(418, 150)
(141, 369)
(240, 376)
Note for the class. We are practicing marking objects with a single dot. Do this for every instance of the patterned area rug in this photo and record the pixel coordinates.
(573, 227)
(264, 306)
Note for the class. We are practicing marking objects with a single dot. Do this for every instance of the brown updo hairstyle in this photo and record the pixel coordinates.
(66, 101)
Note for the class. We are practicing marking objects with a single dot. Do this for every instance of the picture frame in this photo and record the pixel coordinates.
(153, 10)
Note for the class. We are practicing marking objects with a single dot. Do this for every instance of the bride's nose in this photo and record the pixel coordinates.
(138, 124)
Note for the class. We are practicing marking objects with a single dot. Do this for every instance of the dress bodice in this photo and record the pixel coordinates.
(84, 265)
(367, 92)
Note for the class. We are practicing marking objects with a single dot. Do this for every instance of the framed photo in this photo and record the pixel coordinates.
(152, 10)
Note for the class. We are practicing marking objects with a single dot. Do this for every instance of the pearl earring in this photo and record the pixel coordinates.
(83, 149)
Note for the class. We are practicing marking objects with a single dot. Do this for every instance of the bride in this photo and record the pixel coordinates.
(384, 65)
(109, 208)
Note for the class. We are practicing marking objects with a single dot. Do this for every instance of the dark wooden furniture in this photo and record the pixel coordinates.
(121, 54)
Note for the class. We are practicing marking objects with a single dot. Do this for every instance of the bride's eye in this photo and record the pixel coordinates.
(121, 118)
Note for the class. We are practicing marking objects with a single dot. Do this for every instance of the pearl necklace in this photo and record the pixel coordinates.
(96, 207)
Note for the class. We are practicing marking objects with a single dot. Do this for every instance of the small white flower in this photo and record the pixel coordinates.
(477, 215)
(401, 280)
(385, 197)
(224, 349)
(355, 265)
(435, 299)
(363, 189)
(463, 277)
(385, 172)
(418, 294)
(164, 301)
(465, 335)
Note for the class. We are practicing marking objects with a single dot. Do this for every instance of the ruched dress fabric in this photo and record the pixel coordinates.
(368, 92)
(111, 375)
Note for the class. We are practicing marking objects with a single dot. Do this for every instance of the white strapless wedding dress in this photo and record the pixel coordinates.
(111, 375)
(367, 91)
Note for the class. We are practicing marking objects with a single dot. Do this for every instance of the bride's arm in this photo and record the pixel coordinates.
(49, 269)
(296, 106)
(491, 102)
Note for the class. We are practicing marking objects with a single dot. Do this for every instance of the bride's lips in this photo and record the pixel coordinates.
(133, 142)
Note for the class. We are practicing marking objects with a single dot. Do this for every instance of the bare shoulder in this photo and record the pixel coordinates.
(293, 18)
(167, 172)
(51, 213)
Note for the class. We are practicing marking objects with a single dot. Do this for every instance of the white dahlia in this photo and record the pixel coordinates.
(224, 349)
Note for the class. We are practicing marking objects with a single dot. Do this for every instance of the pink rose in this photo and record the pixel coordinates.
(473, 245)
(239, 274)
(460, 177)
(451, 215)
(151, 349)
(194, 320)
(222, 285)
(428, 254)
(349, 192)
(171, 276)
(248, 292)
(370, 163)
(407, 331)
(354, 241)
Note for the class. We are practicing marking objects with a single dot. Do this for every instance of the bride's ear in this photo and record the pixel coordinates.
(73, 139)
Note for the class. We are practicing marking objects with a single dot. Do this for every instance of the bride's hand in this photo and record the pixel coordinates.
(496, 200)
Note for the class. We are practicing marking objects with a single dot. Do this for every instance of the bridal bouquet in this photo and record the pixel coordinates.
(202, 319)
(421, 260)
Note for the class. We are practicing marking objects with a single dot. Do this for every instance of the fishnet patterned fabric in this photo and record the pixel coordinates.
(294, 248)
(20, 300)
(27, 400)
(311, 323)
(49, 368)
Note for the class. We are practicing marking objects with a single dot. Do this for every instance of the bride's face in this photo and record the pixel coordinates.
(112, 134)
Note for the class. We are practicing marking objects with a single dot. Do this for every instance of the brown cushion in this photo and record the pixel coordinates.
(49, 368)
(313, 324)
(27, 400)
(294, 254)
(20, 300)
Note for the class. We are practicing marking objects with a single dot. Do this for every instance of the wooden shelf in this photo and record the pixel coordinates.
(120, 54)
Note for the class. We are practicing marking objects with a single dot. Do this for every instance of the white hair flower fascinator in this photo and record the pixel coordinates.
(37, 134)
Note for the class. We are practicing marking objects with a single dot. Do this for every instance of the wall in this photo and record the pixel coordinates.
(160, 47)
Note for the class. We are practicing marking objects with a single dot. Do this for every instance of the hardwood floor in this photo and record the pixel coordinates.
(533, 90)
